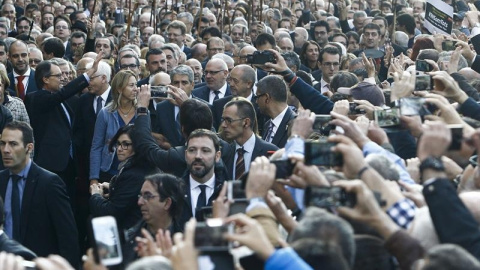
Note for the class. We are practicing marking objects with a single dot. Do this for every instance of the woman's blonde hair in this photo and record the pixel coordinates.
(119, 82)
(5, 80)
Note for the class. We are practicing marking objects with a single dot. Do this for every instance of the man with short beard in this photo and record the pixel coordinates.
(22, 78)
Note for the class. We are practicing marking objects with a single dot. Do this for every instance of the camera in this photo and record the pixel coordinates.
(387, 117)
(353, 109)
(261, 57)
(209, 235)
(413, 106)
(448, 45)
(160, 91)
(422, 65)
(457, 137)
(319, 153)
(106, 241)
(423, 83)
(329, 197)
(322, 124)
(284, 168)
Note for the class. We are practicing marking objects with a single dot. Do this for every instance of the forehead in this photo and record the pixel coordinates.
(48, 15)
(236, 72)
(124, 137)
(18, 47)
(78, 39)
(180, 77)
(147, 186)
(8, 8)
(194, 64)
(230, 111)
(213, 65)
(61, 22)
(331, 57)
(168, 52)
(103, 41)
(23, 22)
(54, 69)
(34, 54)
(173, 29)
(128, 60)
(157, 57)
(370, 31)
(161, 80)
(64, 67)
(11, 135)
(321, 28)
(199, 142)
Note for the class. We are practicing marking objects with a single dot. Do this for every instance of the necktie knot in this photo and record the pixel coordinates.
(16, 178)
(202, 188)
(241, 151)
(217, 93)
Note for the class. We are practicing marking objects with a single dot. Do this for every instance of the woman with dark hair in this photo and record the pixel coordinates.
(421, 44)
(119, 197)
(160, 201)
(309, 56)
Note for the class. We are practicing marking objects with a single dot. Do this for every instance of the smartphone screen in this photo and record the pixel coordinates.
(319, 153)
(106, 240)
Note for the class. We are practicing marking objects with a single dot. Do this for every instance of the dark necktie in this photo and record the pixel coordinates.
(240, 164)
(179, 127)
(15, 205)
(216, 95)
(99, 105)
(269, 132)
(201, 202)
(20, 87)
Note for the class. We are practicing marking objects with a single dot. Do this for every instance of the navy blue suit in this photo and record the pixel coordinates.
(166, 124)
(204, 92)
(281, 136)
(310, 98)
(31, 87)
(187, 51)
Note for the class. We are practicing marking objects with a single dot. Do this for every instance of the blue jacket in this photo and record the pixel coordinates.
(286, 259)
(106, 127)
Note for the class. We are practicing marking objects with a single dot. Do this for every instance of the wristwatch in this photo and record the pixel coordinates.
(142, 110)
(432, 163)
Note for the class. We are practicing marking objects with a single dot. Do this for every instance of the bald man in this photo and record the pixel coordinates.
(216, 73)
(196, 66)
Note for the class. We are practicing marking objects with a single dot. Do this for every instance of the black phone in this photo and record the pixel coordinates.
(284, 168)
(448, 45)
(160, 91)
(322, 124)
(422, 65)
(238, 206)
(261, 57)
(209, 235)
(457, 137)
(353, 109)
(328, 197)
(319, 153)
(423, 83)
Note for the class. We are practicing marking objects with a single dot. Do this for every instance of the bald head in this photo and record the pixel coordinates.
(82, 65)
(161, 78)
(90, 55)
(469, 74)
(196, 66)
(216, 73)
(244, 52)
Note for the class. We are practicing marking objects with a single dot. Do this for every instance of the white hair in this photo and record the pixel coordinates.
(103, 69)
(227, 59)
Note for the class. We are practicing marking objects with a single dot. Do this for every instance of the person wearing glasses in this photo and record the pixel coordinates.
(23, 25)
(35, 56)
(216, 74)
(62, 29)
(130, 62)
(176, 31)
(329, 62)
(119, 197)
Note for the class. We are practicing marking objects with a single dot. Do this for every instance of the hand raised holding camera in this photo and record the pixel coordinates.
(280, 66)
(178, 95)
(304, 175)
(446, 86)
(404, 84)
(260, 178)
(351, 129)
(435, 140)
(341, 107)
(221, 205)
(143, 96)
(353, 160)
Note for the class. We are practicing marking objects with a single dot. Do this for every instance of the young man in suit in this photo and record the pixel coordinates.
(176, 32)
(239, 123)
(272, 101)
(216, 73)
(22, 78)
(37, 210)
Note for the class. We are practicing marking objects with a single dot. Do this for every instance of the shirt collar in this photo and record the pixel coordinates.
(323, 83)
(223, 89)
(24, 173)
(27, 73)
(106, 93)
(248, 145)
(278, 120)
(194, 184)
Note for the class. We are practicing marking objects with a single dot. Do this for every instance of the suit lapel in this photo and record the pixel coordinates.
(282, 129)
(187, 197)
(4, 182)
(230, 158)
(30, 186)
(257, 149)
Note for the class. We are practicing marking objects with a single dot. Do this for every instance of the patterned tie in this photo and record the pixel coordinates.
(99, 105)
(201, 202)
(269, 132)
(20, 87)
(216, 95)
(240, 164)
(15, 204)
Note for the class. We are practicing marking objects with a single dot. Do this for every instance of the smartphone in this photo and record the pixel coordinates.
(160, 91)
(261, 57)
(423, 83)
(387, 95)
(413, 106)
(235, 190)
(387, 117)
(106, 241)
(448, 45)
(457, 137)
(209, 235)
(422, 65)
(319, 153)
(322, 124)
(328, 197)
(284, 168)
(353, 109)
(238, 206)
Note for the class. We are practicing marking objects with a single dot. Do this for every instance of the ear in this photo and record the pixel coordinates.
(29, 148)
(45, 80)
(218, 155)
(168, 204)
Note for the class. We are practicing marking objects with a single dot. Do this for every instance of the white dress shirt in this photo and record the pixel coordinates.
(276, 123)
(195, 190)
(104, 99)
(220, 95)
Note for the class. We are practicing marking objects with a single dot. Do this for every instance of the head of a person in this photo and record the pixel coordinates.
(285, 44)
(320, 254)
(239, 119)
(199, 52)
(371, 36)
(18, 56)
(99, 82)
(176, 31)
(358, 20)
(271, 94)
(448, 257)
(171, 56)
(216, 73)
(301, 36)
(320, 225)
(130, 62)
(8, 11)
(343, 79)
(201, 154)
(156, 61)
(265, 41)
(292, 60)
(329, 59)
(64, 68)
(353, 41)
(215, 45)
(151, 263)
(48, 76)
(196, 66)
(62, 27)
(104, 45)
(16, 144)
(242, 55)
(124, 88)
(418, 6)
(122, 143)
(382, 23)
(241, 80)
(183, 78)
(23, 25)
(340, 38)
(53, 47)
(310, 52)
(406, 23)
(238, 33)
(320, 31)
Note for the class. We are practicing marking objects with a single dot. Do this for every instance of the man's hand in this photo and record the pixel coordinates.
(435, 140)
(302, 125)
(146, 246)
(369, 66)
(56, 262)
(466, 51)
(221, 205)
(353, 160)
(94, 68)
(178, 96)
(280, 66)
(446, 86)
(351, 129)
(184, 254)
(96, 189)
(341, 107)
(304, 176)
(404, 85)
(260, 178)
(143, 96)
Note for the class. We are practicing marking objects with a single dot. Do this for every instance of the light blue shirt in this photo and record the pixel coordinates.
(8, 198)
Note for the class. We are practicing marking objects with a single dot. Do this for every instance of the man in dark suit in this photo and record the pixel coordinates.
(272, 101)
(239, 122)
(176, 32)
(52, 119)
(37, 211)
(22, 78)
(156, 62)
(216, 73)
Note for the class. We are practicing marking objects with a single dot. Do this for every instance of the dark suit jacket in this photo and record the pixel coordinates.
(310, 98)
(187, 201)
(261, 148)
(47, 225)
(143, 81)
(31, 87)
(187, 51)
(169, 161)
(83, 129)
(166, 124)
(281, 136)
(11, 246)
(198, 85)
(204, 92)
(53, 132)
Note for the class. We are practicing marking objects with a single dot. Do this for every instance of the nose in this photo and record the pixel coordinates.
(140, 201)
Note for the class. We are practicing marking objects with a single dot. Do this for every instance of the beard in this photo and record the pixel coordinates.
(199, 172)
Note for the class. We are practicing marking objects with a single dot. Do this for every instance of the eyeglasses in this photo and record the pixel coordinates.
(132, 66)
(124, 145)
(259, 96)
(55, 75)
(206, 72)
(61, 27)
(36, 61)
(230, 120)
(93, 77)
(326, 64)
(147, 196)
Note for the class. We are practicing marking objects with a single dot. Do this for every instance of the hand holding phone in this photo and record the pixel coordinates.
(106, 241)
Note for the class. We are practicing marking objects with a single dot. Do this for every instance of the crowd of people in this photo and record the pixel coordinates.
(318, 134)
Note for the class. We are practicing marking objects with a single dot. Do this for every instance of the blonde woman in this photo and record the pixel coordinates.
(119, 112)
